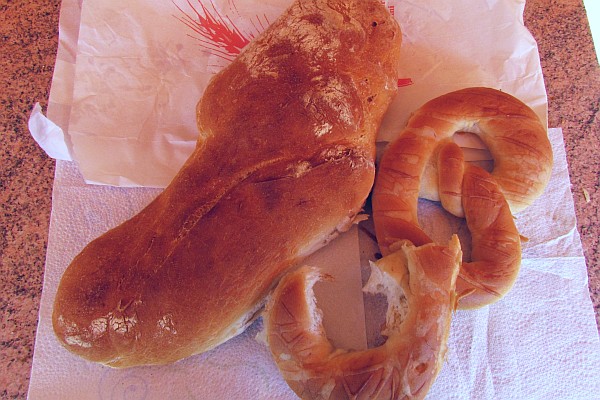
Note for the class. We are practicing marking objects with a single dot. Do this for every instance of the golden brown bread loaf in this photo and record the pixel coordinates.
(419, 284)
(285, 160)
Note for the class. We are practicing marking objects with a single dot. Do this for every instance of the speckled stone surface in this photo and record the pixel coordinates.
(572, 76)
(29, 33)
(28, 46)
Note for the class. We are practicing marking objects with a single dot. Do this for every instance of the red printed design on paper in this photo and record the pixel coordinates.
(216, 32)
(390, 8)
(402, 82)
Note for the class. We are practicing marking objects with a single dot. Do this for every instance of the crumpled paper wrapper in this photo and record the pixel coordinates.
(129, 76)
(540, 341)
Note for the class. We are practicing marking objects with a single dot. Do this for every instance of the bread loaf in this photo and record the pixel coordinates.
(284, 162)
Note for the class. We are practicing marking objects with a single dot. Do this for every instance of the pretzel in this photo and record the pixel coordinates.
(406, 365)
(424, 162)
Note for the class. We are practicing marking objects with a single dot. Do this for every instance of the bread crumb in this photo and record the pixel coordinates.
(586, 195)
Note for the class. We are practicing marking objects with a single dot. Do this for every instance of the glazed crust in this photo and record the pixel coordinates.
(284, 161)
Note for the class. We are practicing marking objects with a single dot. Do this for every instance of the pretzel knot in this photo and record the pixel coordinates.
(425, 162)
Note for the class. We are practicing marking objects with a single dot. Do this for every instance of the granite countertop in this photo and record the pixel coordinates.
(29, 42)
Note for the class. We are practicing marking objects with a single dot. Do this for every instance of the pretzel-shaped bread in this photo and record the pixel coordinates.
(406, 365)
(511, 130)
(424, 162)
